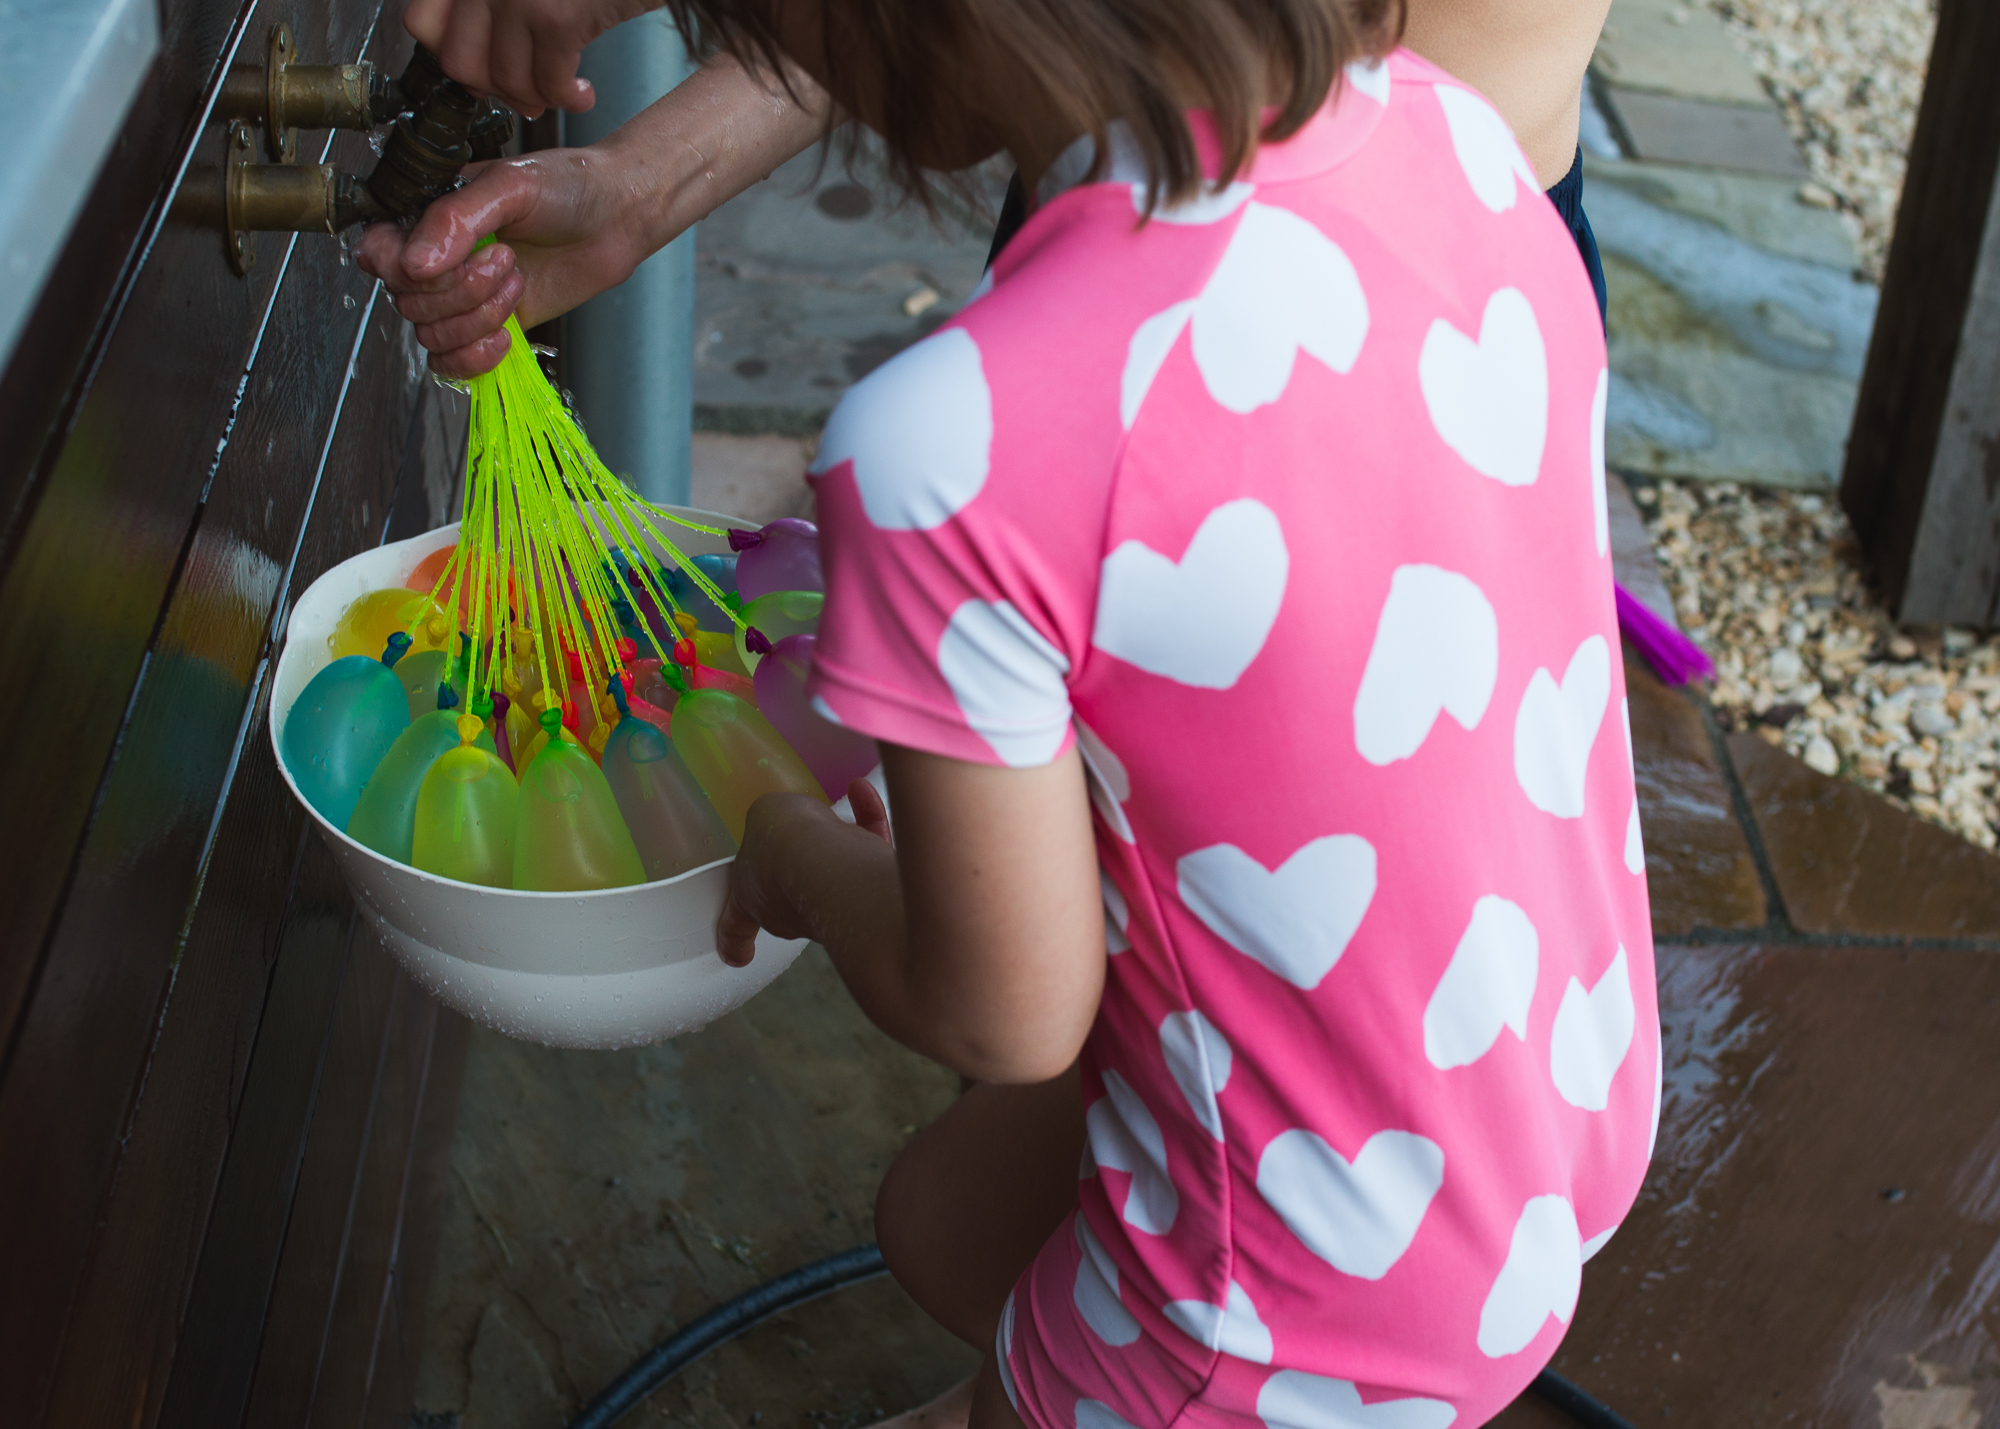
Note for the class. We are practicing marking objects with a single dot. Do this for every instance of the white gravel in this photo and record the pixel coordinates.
(1766, 582)
(1848, 75)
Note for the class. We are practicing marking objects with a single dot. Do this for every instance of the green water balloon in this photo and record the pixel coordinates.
(466, 812)
(673, 825)
(735, 755)
(343, 722)
(568, 833)
(385, 816)
(421, 675)
(775, 615)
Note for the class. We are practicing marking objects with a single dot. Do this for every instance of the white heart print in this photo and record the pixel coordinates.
(1358, 1216)
(1117, 916)
(1207, 205)
(1096, 1291)
(1110, 785)
(1592, 1035)
(1200, 620)
(1296, 919)
(1008, 681)
(1123, 1136)
(1543, 1273)
(1198, 1058)
(1489, 984)
(1489, 398)
(919, 430)
(1294, 1399)
(1556, 727)
(1096, 1414)
(1152, 341)
(1370, 77)
(1436, 650)
(1231, 1328)
(1492, 162)
(1282, 287)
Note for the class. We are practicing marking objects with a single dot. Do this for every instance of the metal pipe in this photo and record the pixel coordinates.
(630, 351)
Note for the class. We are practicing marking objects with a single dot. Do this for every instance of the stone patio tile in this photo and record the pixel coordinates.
(1818, 1241)
(600, 1200)
(1847, 861)
(1736, 345)
(1763, 212)
(1665, 128)
(808, 281)
(758, 478)
(1674, 48)
(1698, 863)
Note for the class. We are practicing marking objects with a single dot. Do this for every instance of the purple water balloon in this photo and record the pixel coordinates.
(782, 556)
(836, 756)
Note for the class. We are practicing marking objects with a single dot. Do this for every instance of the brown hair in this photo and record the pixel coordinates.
(1095, 61)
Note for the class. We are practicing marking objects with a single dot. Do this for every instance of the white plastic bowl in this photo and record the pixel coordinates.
(614, 968)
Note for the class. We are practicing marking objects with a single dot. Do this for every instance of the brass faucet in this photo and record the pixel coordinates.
(437, 127)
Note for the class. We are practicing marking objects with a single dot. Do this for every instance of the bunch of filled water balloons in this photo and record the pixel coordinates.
(483, 765)
(562, 700)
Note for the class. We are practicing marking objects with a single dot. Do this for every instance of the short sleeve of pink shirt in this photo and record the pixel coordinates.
(1288, 505)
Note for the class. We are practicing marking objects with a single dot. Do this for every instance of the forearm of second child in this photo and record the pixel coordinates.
(978, 941)
(708, 139)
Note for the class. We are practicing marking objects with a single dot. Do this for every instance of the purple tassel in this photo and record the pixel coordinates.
(756, 642)
(1674, 658)
(500, 703)
(744, 540)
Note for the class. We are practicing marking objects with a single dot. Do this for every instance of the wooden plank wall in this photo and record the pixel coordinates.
(222, 1111)
(1922, 480)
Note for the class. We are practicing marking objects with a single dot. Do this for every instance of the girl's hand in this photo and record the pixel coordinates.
(565, 237)
(574, 222)
(781, 830)
(524, 52)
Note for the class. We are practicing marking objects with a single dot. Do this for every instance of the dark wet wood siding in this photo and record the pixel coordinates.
(221, 1109)
(1922, 480)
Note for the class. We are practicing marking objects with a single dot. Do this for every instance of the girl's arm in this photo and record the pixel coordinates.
(978, 940)
(575, 222)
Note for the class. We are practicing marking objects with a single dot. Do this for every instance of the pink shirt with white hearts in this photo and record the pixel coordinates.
(1289, 507)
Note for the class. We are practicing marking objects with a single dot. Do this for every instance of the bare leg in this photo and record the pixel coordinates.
(974, 1197)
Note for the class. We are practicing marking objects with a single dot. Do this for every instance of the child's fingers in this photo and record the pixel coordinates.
(511, 68)
(474, 358)
(426, 21)
(488, 318)
(496, 196)
(870, 813)
(735, 930)
(555, 77)
(459, 291)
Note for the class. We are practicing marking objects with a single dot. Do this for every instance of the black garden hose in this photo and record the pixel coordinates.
(1552, 1389)
(730, 1319)
(724, 1323)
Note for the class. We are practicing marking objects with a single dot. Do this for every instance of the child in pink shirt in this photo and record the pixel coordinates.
(1229, 588)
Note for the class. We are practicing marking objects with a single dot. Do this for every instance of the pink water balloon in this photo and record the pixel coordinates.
(836, 756)
(782, 556)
